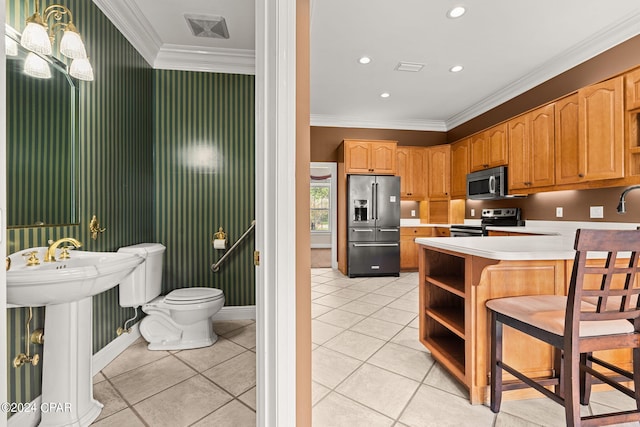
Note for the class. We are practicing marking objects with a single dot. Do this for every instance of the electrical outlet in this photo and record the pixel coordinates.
(473, 212)
(558, 212)
(596, 212)
(413, 212)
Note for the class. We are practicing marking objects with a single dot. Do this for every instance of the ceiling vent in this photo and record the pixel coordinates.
(412, 67)
(208, 26)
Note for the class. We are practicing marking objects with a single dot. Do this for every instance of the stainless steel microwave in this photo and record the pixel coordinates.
(487, 184)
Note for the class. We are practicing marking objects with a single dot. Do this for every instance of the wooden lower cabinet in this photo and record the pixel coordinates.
(454, 322)
(408, 246)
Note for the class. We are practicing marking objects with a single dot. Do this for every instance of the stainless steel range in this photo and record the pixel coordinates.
(502, 217)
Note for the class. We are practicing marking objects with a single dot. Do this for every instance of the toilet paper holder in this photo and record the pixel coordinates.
(219, 240)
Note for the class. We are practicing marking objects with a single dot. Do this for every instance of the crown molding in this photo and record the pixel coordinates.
(361, 122)
(232, 61)
(579, 53)
(130, 21)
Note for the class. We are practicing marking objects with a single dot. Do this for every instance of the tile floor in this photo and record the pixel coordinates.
(212, 386)
(369, 369)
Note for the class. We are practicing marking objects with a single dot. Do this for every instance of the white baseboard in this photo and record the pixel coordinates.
(112, 350)
(238, 312)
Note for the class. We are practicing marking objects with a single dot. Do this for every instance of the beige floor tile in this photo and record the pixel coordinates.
(597, 409)
(361, 307)
(331, 301)
(403, 360)
(249, 398)
(245, 337)
(104, 393)
(415, 323)
(329, 367)
(318, 391)
(315, 295)
(392, 291)
(540, 411)
(366, 286)
(341, 318)
(409, 338)
(400, 317)
(204, 358)
(319, 310)
(182, 404)
(354, 344)
(613, 399)
(140, 383)
(319, 279)
(236, 375)
(326, 288)
(224, 326)
(133, 357)
(338, 411)
(322, 332)
(376, 299)
(379, 389)
(504, 419)
(349, 294)
(431, 407)
(98, 378)
(126, 417)
(411, 278)
(377, 328)
(441, 379)
(405, 304)
(233, 414)
(345, 282)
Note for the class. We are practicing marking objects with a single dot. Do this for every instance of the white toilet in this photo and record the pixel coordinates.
(181, 319)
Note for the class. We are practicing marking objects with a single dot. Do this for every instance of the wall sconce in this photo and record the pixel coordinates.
(39, 37)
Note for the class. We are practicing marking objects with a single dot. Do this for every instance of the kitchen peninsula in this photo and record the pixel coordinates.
(457, 277)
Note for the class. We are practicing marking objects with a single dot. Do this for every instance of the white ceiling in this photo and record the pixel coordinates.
(506, 47)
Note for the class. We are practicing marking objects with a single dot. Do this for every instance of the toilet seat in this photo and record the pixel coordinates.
(190, 296)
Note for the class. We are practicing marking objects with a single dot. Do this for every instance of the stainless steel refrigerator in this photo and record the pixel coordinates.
(374, 225)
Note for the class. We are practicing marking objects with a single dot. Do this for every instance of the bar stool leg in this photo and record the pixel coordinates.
(496, 359)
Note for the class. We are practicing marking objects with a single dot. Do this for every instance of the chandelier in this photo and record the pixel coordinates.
(39, 36)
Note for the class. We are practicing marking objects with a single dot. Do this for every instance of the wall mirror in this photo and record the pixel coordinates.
(42, 139)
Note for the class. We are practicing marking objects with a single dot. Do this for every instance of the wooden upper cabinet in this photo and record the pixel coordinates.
(459, 168)
(601, 129)
(568, 169)
(412, 168)
(439, 181)
(489, 148)
(632, 89)
(369, 157)
(531, 149)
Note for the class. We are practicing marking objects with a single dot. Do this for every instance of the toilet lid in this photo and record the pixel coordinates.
(186, 295)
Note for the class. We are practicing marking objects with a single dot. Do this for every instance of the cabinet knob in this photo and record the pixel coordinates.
(581, 175)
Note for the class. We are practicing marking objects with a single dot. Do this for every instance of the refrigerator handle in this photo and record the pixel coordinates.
(377, 202)
(374, 205)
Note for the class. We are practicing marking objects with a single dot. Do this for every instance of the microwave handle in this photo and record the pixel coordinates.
(492, 184)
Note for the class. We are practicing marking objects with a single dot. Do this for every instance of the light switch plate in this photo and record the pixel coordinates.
(596, 212)
(473, 212)
(413, 212)
(559, 212)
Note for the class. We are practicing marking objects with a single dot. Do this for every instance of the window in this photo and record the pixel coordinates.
(321, 206)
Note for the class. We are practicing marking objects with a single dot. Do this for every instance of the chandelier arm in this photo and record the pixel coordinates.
(57, 11)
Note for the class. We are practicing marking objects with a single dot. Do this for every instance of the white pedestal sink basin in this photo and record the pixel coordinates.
(65, 288)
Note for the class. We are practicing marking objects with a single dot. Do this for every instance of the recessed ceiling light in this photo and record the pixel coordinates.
(384, 95)
(364, 60)
(456, 12)
(456, 68)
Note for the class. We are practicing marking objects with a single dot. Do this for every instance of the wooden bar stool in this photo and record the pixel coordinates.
(589, 319)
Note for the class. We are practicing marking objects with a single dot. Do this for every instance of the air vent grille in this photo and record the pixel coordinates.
(412, 67)
(208, 26)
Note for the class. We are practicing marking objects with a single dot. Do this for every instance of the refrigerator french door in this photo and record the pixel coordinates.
(374, 225)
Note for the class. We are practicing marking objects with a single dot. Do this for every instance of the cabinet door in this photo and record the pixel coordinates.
(408, 253)
(459, 168)
(542, 143)
(519, 150)
(419, 176)
(632, 89)
(356, 156)
(601, 129)
(496, 150)
(477, 158)
(567, 151)
(383, 158)
(439, 171)
(403, 166)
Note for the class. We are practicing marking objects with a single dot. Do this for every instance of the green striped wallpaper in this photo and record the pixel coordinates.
(115, 173)
(204, 178)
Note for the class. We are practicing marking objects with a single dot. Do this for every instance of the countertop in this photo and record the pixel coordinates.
(417, 223)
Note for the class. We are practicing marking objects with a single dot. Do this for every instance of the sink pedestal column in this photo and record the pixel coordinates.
(67, 376)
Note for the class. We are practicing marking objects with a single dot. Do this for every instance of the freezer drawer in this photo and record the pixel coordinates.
(362, 234)
(374, 259)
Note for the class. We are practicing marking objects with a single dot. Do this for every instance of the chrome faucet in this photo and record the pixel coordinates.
(50, 256)
(621, 207)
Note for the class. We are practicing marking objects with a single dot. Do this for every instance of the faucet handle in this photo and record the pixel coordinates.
(33, 258)
(64, 252)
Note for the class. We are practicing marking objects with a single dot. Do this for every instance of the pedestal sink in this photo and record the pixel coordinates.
(65, 288)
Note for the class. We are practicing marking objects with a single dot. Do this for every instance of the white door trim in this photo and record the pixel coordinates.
(275, 212)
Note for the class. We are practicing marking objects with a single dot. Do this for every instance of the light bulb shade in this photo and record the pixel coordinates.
(81, 69)
(35, 66)
(71, 45)
(35, 38)
(10, 46)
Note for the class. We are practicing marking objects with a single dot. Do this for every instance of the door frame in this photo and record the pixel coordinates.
(3, 223)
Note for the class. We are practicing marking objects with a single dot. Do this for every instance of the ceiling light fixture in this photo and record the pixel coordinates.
(364, 60)
(456, 12)
(385, 95)
(38, 37)
(456, 68)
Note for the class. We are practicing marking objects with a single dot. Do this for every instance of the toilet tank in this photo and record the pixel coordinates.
(145, 283)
